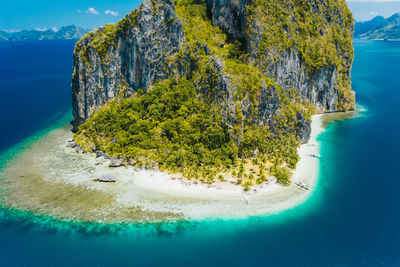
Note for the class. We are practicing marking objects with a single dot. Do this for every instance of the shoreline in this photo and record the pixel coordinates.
(285, 197)
(140, 195)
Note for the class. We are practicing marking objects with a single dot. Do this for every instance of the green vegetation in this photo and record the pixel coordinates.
(183, 124)
(172, 128)
(168, 125)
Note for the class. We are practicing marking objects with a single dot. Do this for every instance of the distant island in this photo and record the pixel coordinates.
(379, 28)
(67, 32)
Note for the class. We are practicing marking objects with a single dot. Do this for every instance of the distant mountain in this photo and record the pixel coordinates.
(366, 26)
(379, 28)
(67, 32)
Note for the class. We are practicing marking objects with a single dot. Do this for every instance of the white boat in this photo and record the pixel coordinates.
(303, 185)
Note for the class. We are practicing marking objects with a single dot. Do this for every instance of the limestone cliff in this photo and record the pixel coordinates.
(124, 57)
(270, 32)
(259, 59)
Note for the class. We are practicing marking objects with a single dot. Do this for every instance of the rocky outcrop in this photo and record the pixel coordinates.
(106, 179)
(136, 59)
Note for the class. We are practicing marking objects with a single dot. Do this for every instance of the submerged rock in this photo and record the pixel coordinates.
(106, 179)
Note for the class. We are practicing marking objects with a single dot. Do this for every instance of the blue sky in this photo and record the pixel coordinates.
(28, 14)
(366, 10)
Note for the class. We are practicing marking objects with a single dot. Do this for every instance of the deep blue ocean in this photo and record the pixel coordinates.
(352, 218)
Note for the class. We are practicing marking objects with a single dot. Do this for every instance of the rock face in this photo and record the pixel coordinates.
(135, 61)
(318, 87)
(140, 52)
(229, 15)
(288, 68)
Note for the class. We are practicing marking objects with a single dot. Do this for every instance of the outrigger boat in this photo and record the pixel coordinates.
(246, 200)
(302, 185)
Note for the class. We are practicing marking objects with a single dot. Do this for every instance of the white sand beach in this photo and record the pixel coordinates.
(50, 178)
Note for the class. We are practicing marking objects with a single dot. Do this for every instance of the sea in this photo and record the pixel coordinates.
(351, 219)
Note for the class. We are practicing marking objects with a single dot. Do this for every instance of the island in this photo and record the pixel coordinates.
(66, 32)
(210, 89)
(379, 28)
(193, 109)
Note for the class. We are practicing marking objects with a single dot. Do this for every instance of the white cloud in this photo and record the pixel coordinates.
(110, 12)
(373, 13)
(55, 29)
(79, 11)
(91, 10)
(41, 29)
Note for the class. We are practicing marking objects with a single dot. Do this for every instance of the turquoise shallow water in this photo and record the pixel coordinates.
(352, 218)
